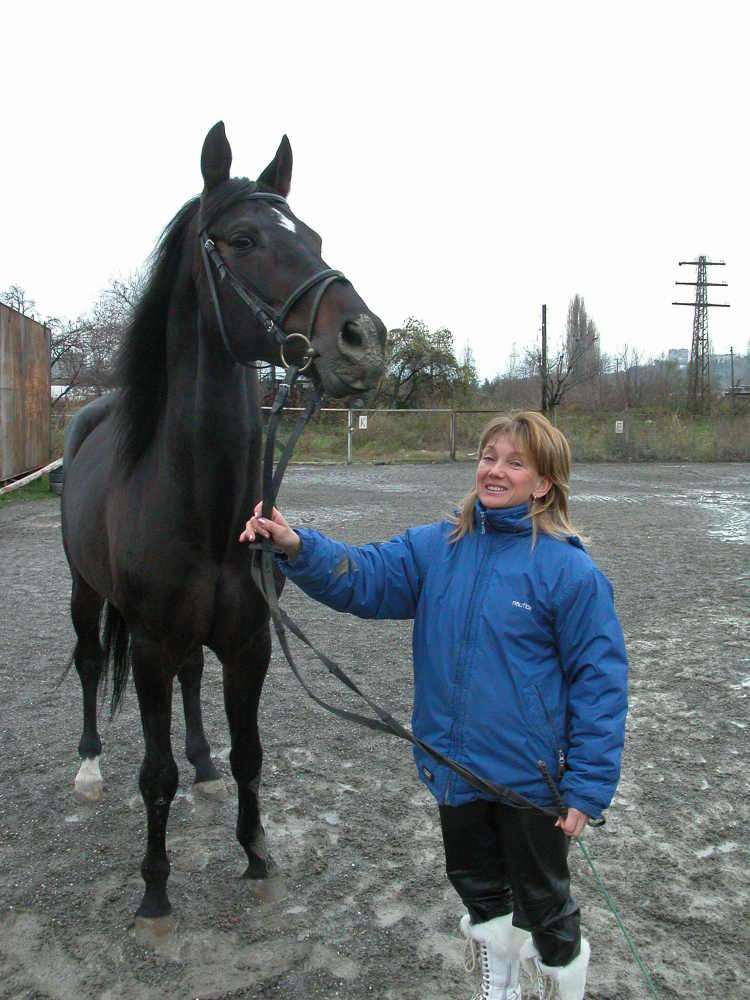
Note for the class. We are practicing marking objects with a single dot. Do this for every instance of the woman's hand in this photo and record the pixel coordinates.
(572, 825)
(276, 529)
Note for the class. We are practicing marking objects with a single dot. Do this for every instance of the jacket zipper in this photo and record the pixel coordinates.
(467, 636)
(555, 736)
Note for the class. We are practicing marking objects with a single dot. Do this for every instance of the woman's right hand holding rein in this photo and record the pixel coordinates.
(277, 529)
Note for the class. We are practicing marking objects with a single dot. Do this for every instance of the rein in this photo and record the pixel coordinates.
(262, 573)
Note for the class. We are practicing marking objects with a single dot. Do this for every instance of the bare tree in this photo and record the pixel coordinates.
(629, 375)
(15, 297)
(82, 351)
(108, 321)
(568, 367)
(576, 361)
(67, 354)
(582, 338)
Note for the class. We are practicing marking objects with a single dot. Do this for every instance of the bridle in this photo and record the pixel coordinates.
(271, 320)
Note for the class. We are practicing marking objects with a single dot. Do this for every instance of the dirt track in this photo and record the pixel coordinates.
(369, 912)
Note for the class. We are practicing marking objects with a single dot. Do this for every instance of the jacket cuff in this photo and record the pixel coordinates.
(303, 558)
(573, 801)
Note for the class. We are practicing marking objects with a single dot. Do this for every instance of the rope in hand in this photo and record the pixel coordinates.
(563, 811)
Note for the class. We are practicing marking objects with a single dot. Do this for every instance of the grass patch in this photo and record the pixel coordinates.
(647, 436)
(38, 490)
(657, 437)
(423, 436)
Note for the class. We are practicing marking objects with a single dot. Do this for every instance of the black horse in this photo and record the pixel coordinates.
(161, 474)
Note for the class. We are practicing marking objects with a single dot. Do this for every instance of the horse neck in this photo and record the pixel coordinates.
(212, 429)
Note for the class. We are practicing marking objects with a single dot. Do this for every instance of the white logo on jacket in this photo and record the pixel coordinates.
(522, 605)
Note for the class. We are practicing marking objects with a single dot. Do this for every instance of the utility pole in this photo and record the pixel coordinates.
(699, 374)
(731, 367)
(543, 365)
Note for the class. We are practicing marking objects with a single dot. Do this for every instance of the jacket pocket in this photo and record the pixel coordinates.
(547, 731)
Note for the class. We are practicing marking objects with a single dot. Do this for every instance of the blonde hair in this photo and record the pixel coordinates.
(532, 433)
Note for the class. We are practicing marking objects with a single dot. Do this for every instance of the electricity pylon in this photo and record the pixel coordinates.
(699, 373)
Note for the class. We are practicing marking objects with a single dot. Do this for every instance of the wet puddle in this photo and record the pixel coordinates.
(729, 510)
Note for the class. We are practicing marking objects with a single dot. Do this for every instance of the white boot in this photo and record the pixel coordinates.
(498, 944)
(566, 982)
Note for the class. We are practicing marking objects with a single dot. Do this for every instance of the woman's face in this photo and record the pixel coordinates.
(507, 476)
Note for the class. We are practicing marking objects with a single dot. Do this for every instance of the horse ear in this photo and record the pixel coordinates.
(278, 173)
(216, 157)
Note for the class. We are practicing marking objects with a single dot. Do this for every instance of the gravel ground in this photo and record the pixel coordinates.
(369, 912)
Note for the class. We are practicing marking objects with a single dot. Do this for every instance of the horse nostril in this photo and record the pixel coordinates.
(352, 335)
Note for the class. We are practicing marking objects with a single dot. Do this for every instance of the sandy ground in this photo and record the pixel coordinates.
(369, 912)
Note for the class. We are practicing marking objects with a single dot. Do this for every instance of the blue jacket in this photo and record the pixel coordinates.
(518, 653)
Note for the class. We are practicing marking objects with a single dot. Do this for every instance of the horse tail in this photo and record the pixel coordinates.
(117, 655)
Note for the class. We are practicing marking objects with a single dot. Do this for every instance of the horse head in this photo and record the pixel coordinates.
(281, 304)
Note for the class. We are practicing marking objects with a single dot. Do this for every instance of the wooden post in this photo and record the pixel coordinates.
(543, 366)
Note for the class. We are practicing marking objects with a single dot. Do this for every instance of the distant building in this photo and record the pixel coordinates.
(725, 368)
(680, 355)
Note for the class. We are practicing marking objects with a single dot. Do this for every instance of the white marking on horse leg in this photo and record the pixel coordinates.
(156, 933)
(88, 784)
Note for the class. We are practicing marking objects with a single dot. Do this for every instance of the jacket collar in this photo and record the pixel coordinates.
(510, 519)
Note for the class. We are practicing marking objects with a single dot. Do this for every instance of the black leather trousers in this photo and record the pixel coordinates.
(501, 859)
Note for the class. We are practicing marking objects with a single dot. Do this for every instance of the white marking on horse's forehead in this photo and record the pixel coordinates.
(284, 221)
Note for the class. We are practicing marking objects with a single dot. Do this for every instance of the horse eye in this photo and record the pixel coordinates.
(241, 243)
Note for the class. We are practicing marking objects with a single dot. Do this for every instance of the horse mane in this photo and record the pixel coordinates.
(140, 369)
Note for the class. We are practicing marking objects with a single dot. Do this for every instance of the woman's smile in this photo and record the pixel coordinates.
(506, 475)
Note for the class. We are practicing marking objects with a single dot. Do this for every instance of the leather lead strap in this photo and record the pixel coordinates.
(262, 572)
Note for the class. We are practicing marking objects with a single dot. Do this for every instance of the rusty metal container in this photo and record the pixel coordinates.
(24, 394)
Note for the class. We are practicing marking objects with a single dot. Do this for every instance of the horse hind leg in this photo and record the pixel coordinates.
(208, 781)
(85, 610)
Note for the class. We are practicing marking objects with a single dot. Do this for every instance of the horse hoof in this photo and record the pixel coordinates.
(88, 791)
(216, 790)
(88, 786)
(268, 890)
(150, 932)
(260, 869)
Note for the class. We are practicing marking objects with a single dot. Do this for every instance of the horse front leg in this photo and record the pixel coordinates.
(207, 782)
(243, 681)
(158, 784)
(85, 609)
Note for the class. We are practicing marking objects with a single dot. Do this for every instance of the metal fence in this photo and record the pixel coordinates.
(404, 435)
(24, 394)
(438, 435)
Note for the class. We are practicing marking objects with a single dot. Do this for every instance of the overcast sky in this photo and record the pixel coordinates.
(464, 162)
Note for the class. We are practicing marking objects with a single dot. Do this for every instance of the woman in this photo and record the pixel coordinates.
(518, 659)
